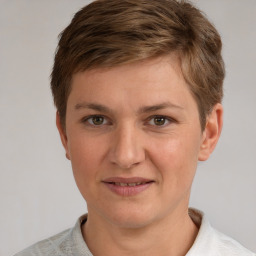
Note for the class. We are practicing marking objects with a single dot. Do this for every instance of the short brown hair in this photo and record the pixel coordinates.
(108, 33)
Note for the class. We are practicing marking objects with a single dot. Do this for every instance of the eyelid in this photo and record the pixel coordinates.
(168, 118)
(85, 119)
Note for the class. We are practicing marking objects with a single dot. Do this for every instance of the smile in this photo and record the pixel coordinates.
(128, 184)
(127, 187)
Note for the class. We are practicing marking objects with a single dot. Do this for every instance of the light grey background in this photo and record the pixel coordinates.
(38, 195)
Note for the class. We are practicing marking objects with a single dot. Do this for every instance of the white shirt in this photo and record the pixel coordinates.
(209, 242)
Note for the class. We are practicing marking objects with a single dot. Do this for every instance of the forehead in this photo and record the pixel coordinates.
(152, 81)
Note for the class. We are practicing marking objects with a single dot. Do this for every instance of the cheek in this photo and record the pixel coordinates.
(84, 151)
(176, 158)
(86, 157)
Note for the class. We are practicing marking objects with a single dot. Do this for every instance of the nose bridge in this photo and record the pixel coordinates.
(127, 149)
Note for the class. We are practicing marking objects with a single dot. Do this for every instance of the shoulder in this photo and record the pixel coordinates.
(55, 245)
(68, 242)
(210, 242)
(228, 246)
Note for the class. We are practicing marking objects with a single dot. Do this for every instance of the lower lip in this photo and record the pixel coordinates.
(127, 191)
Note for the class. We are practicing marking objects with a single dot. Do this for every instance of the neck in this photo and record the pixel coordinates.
(173, 235)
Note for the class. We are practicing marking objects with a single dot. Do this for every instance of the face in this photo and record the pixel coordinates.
(133, 136)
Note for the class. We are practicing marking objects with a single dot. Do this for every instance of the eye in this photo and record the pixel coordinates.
(96, 120)
(159, 121)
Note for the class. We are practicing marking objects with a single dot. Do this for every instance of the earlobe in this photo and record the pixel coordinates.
(211, 133)
(63, 135)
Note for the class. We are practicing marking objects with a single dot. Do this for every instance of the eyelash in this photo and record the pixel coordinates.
(151, 118)
(86, 120)
(167, 120)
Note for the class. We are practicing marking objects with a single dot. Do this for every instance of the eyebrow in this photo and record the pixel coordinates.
(93, 106)
(144, 109)
(165, 105)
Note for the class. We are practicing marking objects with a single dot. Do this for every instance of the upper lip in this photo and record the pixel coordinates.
(127, 180)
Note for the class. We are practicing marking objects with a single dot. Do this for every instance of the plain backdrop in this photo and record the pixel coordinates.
(38, 196)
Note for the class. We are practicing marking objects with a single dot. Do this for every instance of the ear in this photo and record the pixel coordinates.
(211, 132)
(63, 135)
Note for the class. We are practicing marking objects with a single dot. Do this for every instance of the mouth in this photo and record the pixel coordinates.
(132, 184)
(127, 186)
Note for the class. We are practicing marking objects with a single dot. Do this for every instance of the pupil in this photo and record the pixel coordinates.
(97, 120)
(159, 120)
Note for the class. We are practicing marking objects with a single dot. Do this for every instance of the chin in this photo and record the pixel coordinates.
(131, 218)
(131, 222)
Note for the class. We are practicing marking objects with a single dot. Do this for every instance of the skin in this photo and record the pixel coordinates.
(126, 140)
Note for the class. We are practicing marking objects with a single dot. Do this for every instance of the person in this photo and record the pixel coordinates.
(138, 86)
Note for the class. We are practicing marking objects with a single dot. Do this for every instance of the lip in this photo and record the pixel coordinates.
(126, 187)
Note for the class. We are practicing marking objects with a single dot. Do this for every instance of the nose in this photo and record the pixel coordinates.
(127, 147)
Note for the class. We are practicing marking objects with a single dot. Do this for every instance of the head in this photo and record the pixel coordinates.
(136, 84)
(112, 33)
